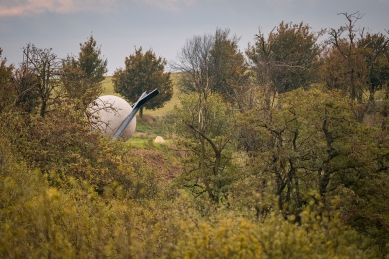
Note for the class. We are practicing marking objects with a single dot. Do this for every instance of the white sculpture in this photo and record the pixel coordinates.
(115, 117)
(110, 111)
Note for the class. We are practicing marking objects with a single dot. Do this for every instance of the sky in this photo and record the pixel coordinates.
(120, 26)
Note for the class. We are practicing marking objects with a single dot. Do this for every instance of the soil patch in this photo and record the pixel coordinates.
(157, 160)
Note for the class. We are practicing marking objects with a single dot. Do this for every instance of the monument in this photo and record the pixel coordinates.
(115, 117)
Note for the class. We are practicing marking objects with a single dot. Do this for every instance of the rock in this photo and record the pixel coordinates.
(159, 139)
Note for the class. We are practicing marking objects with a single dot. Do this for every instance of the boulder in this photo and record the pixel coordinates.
(159, 139)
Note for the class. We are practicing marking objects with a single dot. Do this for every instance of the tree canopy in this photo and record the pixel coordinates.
(82, 76)
(287, 59)
(356, 61)
(144, 72)
(6, 89)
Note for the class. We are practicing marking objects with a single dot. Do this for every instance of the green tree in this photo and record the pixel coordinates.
(7, 92)
(301, 144)
(82, 76)
(144, 72)
(91, 62)
(287, 59)
(25, 83)
(204, 128)
(228, 68)
(375, 51)
(333, 70)
(310, 148)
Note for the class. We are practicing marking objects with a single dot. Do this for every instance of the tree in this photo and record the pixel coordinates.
(18, 87)
(362, 55)
(213, 74)
(301, 148)
(309, 148)
(7, 92)
(213, 62)
(25, 84)
(45, 71)
(144, 72)
(82, 77)
(228, 68)
(204, 127)
(334, 70)
(91, 62)
(288, 59)
(194, 65)
(356, 63)
(375, 53)
(5, 71)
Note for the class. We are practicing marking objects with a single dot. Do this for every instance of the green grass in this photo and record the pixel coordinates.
(168, 107)
(108, 87)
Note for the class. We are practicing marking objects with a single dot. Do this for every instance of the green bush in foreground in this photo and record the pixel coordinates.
(74, 221)
(276, 238)
(91, 198)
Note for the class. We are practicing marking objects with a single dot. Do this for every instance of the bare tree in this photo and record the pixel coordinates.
(194, 64)
(346, 46)
(45, 68)
(213, 63)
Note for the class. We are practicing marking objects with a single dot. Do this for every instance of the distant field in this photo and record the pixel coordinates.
(108, 90)
(108, 86)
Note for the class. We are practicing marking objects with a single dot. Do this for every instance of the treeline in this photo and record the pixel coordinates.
(283, 151)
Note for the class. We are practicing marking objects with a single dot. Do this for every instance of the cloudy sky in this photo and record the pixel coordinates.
(163, 25)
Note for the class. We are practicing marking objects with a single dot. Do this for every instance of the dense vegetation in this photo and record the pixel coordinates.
(278, 152)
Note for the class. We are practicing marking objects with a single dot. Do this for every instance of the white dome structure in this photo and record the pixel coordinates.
(109, 111)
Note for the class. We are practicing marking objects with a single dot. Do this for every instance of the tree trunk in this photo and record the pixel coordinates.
(43, 108)
(141, 112)
(203, 172)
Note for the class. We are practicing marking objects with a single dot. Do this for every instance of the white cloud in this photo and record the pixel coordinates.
(28, 7)
(25, 7)
(169, 5)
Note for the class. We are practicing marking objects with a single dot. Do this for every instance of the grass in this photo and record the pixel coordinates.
(108, 86)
